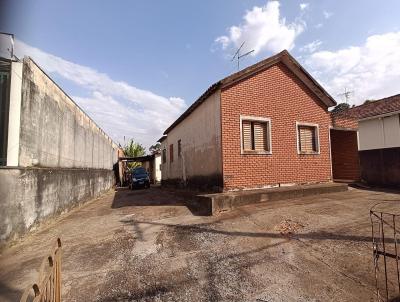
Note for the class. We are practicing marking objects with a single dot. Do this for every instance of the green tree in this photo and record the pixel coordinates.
(134, 149)
(155, 148)
(341, 107)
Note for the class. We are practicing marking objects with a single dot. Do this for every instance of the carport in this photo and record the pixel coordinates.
(147, 162)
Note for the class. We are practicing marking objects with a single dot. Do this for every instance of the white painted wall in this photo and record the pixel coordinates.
(200, 134)
(14, 119)
(379, 133)
(157, 167)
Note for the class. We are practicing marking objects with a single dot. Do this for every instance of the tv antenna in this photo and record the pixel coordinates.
(346, 94)
(238, 56)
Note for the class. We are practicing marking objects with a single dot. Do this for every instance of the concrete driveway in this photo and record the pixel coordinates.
(147, 246)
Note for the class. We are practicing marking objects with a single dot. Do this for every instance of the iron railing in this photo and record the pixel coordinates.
(385, 234)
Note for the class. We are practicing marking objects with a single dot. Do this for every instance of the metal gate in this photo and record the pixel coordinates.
(48, 287)
(385, 234)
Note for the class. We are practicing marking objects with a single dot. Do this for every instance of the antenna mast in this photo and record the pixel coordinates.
(346, 94)
(238, 56)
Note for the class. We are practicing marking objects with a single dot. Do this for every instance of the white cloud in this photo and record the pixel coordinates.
(311, 47)
(304, 6)
(371, 70)
(118, 107)
(327, 14)
(319, 25)
(263, 30)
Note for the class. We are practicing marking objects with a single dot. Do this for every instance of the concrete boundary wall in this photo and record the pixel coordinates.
(55, 131)
(14, 118)
(29, 196)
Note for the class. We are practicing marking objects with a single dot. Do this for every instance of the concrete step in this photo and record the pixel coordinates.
(211, 204)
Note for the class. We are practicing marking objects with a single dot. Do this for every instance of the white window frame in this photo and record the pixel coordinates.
(297, 138)
(255, 119)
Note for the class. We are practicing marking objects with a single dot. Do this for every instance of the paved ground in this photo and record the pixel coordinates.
(147, 246)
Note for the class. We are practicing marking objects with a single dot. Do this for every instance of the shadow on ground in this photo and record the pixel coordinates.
(156, 196)
(8, 293)
(202, 228)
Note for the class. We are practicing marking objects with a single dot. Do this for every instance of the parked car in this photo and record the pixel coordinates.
(139, 178)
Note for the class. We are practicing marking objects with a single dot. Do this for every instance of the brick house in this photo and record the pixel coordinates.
(266, 125)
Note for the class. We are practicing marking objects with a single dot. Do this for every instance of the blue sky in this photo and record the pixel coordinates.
(134, 66)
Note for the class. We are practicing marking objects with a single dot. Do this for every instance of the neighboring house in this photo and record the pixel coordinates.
(266, 125)
(378, 139)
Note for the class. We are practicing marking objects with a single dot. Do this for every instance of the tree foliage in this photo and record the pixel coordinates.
(155, 148)
(341, 107)
(368, 101)
(134, 149)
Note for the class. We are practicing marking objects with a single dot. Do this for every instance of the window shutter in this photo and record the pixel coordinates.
(261, 136)
(307, 139)
(246, 128)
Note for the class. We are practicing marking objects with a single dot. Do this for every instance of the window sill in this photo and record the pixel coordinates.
(253, 152)
(308, 153)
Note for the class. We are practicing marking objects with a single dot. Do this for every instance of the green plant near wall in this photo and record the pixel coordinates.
(134, 149)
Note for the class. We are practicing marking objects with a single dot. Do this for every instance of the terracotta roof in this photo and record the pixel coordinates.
(283, 57)
(374, 108)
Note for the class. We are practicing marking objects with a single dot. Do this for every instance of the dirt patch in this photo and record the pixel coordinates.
(288, 227)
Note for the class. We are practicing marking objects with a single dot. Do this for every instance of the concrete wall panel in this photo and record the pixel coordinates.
(391, 126)
(379, 133)
(55, 132)
(31, 195)
(14, 118)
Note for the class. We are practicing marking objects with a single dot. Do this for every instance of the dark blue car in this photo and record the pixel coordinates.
(139, 178)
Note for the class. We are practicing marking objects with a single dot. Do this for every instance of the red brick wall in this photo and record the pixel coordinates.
(278, 94)
(345, 159)
(342, 120)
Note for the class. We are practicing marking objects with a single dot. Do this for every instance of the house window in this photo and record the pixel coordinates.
(179, 148)
(164, 156)
(307, 139)
(256, 135)
(171, 153)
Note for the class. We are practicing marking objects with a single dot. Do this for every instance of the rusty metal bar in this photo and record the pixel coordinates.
(374, 255)
(384, 258)
(395, 247)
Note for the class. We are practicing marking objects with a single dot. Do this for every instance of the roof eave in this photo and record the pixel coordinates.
(285, 57)
(213, 88)
(323, 95)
